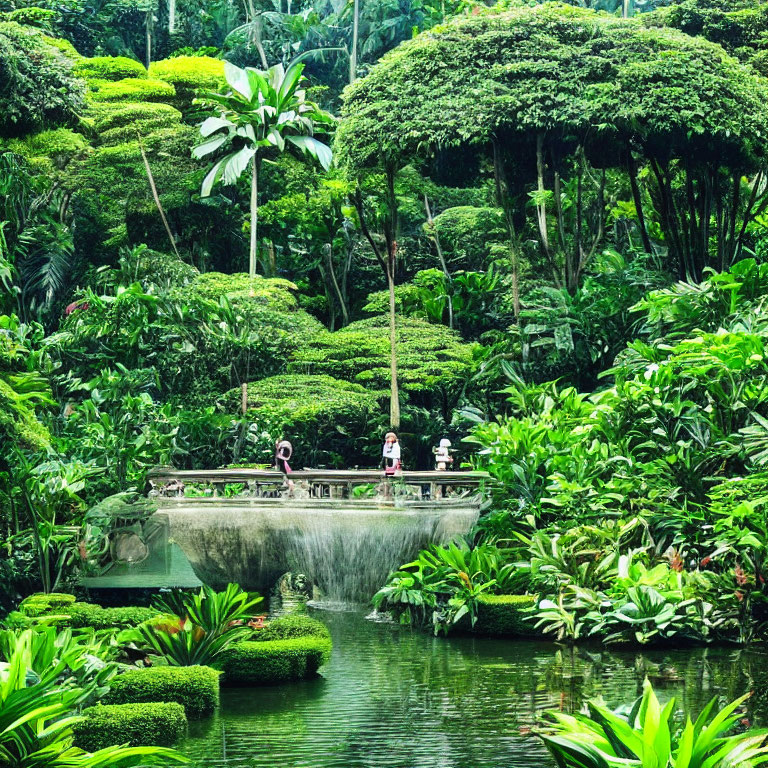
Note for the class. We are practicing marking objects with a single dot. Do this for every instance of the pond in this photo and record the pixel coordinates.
(395, 698)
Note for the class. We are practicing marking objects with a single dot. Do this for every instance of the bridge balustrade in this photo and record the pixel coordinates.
(318, 484)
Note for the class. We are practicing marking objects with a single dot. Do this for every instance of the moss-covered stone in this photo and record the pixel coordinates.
(504, 615)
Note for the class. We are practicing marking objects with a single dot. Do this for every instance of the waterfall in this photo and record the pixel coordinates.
(347, 548)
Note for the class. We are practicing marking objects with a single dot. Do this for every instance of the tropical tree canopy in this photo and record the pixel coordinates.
(572, 73)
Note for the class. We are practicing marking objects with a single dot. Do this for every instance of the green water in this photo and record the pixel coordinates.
(394, 698)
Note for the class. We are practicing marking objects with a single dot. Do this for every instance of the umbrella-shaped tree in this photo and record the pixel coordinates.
(262, 113)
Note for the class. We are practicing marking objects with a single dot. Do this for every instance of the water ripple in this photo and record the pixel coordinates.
(394, 698)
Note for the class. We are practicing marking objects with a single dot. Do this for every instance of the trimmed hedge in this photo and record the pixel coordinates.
(189, 74)
(131, 89)
(67, 612)
(195, 688)
(275, 661)
(96, 617)
(109, 68)
(291, 627)
(40, 603)
(110, 116)
(504, 615)
(309, 411)
(153, 724)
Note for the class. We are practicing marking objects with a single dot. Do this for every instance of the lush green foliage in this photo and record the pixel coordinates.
(290, 627)
(326, 419)
(431, 358)
(195, 688)
(275, 661)
(646, 735)
(159, 724)
(446, 584)
(195, 629)
(39, 87)
(37, 718)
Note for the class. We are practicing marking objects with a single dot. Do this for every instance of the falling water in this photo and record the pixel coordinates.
(349, 556)
(347, 548)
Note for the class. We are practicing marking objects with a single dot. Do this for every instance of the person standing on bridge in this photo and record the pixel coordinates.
(391, 454)
(283, 453)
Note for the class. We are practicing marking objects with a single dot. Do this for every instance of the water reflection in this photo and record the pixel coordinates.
(393, 698)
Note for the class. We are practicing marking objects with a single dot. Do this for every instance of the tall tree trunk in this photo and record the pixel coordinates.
(541, 205)
(394, 394)
(503, 203)
(156, 197)
(148, 38)
(353, 51)
(440, 255)
(328, 248)
(256, 34)
(171, 16)
(254, 215)
(390, 233)
(638, 200)
(387, 263)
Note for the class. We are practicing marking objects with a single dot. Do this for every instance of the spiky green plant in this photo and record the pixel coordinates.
(647, 737)
(37, 715)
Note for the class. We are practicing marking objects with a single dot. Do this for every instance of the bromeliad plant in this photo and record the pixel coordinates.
(647, 737)
(196, 628)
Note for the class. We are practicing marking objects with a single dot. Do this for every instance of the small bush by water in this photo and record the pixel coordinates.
(289, 627)
(275, 661)
(646, 734)
(64, 610)
(157, 724)
(195, 688)
(504, 615)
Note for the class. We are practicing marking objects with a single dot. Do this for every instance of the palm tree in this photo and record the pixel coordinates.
(261, 113)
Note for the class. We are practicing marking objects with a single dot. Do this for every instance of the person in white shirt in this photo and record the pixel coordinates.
(391, 453)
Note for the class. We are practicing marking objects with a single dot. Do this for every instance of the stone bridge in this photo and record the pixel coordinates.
(346, 530)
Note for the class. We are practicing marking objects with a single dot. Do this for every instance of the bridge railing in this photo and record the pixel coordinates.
(313, 484)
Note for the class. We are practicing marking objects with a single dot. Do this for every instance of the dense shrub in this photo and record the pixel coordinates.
(275, 661)
(504, 615)
(188, 74)
(275, 293)
(195, 688)
(37, 87)
(57, 144)
(124, 122)
(291, 627)
(89, 615)
(41, 603)
(152, 724)
(131, 89)
(77, 615)
(110, 116)
(322, 416)
(467, 234)
(109, 68)
(430, 358)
